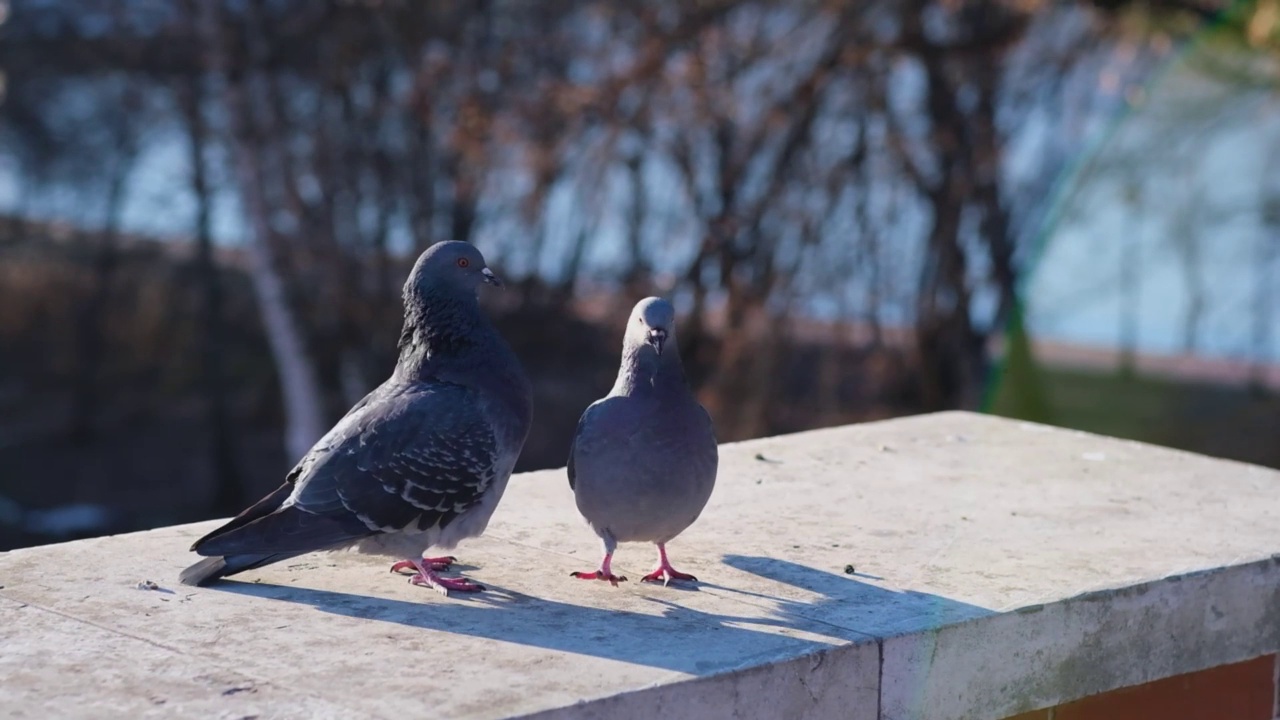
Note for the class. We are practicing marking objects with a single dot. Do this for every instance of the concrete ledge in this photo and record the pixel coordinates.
(998, 567)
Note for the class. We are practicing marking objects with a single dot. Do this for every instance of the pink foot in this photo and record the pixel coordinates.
(665, 573)
(599, 575)
(444, 585)
(604, 573)
(436, 563)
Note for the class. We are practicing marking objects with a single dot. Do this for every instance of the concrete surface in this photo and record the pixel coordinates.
(999, 566)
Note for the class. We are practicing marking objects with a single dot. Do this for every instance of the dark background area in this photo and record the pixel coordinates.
(848, 202)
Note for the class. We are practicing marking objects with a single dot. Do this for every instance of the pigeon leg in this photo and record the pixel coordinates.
(427, 577)
(435, 563)
(665, 572)
(604, 573)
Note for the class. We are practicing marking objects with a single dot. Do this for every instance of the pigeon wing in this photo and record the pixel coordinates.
(580, 440)
(407, 463)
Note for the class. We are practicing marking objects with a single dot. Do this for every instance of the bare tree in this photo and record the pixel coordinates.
(123, 147)
(303, 406)
(229, 491)
(1267, 268)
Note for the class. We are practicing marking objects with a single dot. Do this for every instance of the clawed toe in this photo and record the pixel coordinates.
(423, 573)
(599, 575)
(436, 564)
(445, 585)
(604, 573)
(666, 575)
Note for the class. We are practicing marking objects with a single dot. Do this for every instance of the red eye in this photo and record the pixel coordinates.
(463, 262)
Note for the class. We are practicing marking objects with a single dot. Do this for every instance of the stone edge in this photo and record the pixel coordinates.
(995, 666)
(1047, 655)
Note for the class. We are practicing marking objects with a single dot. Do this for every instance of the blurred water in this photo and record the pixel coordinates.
(1165, 243)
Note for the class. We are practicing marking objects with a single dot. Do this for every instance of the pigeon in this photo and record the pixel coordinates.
(420, 462)
(643, 460)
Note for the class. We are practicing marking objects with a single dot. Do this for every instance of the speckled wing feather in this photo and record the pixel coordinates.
(407, 462)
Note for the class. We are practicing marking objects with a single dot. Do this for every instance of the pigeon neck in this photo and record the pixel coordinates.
(644, 371)
(439, 328)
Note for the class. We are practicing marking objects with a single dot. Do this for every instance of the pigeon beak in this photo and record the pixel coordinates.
(490, 278)
(657, 338)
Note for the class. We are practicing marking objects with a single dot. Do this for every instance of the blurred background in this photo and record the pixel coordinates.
(1066, 212)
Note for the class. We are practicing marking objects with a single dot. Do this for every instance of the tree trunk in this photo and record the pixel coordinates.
(303, 408)
(1020, 375)
(951, 350)
(93, 310)
(464, 211)
(229, 494)
(637, 277)
(1264, 300)
(1130, 281)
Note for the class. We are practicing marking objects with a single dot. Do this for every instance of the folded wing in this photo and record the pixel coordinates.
(409, 462)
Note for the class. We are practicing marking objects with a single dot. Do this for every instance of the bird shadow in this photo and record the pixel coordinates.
(847, 601)
(678, 637)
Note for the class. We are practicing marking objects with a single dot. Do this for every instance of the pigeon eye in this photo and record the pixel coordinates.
(463, 262)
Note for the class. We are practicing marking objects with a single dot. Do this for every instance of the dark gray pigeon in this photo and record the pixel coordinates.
(643, 461)
(420, 462)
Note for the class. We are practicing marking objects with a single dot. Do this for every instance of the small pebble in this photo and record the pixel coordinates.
(848, 570)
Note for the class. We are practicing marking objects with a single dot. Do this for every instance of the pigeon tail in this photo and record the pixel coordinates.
(213, 568)
(287, 532)
(258, 510)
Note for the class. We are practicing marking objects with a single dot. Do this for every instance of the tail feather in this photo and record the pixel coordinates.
(213, 568)
(289, 530)
(266, 533)
(258, 510)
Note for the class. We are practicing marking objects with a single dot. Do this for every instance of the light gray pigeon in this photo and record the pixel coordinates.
(420, 462)
(643, 460)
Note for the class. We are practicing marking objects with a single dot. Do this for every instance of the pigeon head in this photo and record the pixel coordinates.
(449, 268)
(443, 322)
(652, 323)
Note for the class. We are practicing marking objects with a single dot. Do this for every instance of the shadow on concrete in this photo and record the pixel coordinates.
(848, 602)
(678, 638)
